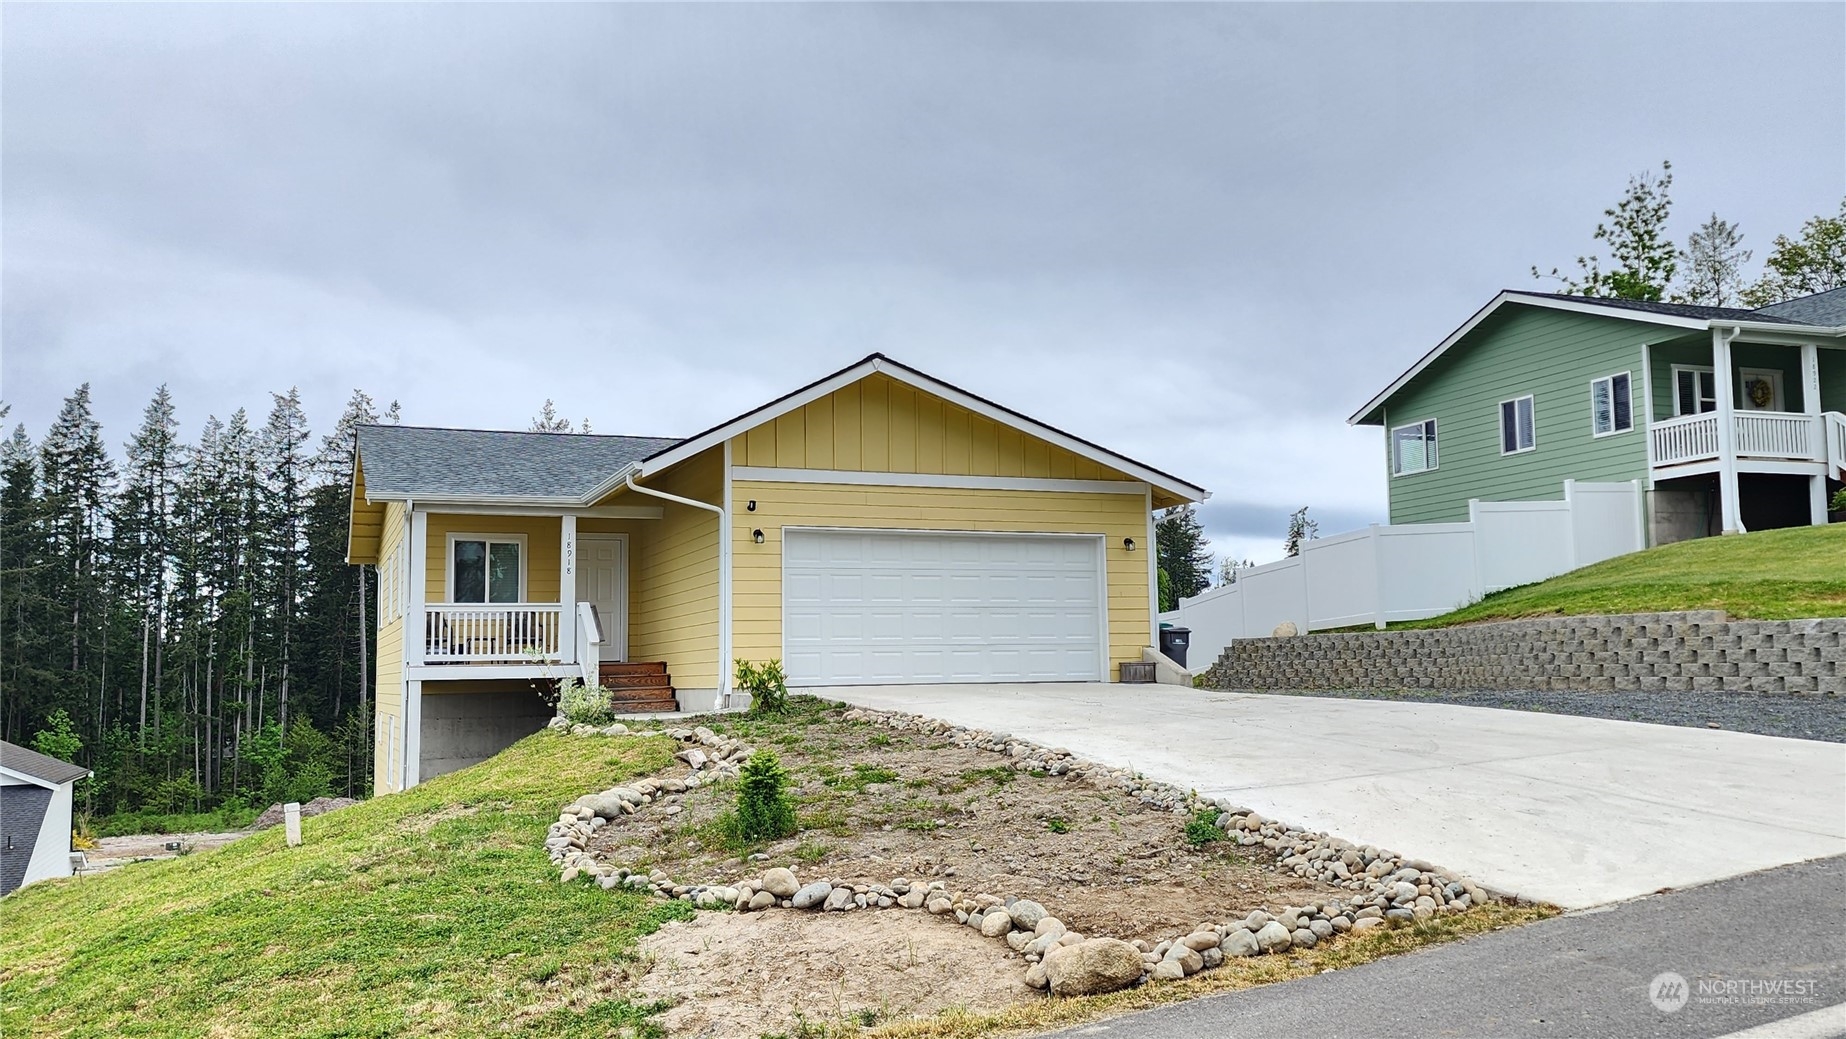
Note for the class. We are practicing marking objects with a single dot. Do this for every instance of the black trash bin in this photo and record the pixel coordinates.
(1173, 643)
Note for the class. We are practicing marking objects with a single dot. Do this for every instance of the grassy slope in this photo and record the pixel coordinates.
(1771, 575)
(433, 912)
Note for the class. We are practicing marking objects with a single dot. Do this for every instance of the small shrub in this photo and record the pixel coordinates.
(1202, 829)
(1057, 825)
(766, 684)
(811, 852)
(861, 777)
(765, 812)
(584, 704)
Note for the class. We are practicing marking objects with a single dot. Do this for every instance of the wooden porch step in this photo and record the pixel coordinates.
(638, 686)
(667, 706)
(611, 668)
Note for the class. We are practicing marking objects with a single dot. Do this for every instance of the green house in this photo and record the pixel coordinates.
(1732, 419)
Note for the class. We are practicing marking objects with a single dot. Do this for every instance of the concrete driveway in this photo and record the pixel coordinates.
(1573, 811)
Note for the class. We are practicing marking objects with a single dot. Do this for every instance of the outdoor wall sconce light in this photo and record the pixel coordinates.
(1129, 544)
(751, 507)
(757, 535)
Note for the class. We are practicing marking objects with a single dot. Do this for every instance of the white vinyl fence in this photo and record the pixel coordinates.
(1415, 570)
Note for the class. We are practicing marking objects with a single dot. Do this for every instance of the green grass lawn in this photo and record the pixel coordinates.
(434, 912)
(1771, 575)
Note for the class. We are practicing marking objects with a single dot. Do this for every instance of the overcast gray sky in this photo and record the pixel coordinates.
(1201, 234)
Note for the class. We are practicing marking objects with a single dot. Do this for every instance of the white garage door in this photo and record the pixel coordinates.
(867, 607)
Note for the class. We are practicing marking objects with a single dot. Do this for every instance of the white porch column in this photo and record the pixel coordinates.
(413, 734)
(567, 588)
(416, 628)
(1727, 431)
(1817, 500)
(1810, 378)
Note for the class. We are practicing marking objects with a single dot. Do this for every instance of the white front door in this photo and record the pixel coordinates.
(602, 579)
(867, 607)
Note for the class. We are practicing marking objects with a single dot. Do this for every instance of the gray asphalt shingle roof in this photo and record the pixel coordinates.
(37, 765)
(421, 461)
(1665, 309)
(1822, 308)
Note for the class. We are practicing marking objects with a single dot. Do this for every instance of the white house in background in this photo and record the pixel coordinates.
(35, 816)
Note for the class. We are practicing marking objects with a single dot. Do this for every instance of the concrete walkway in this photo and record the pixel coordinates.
(1573, 811)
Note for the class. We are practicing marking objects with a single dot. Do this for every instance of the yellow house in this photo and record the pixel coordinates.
(877, 526)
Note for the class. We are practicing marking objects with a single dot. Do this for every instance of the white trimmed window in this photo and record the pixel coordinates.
(1517, 430)
(1695, 390)
(1413, 448)
(487, 568)
(1611, 405)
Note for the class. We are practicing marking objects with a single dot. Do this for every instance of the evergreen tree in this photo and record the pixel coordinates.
(1182, 554)
(1301, 530)
(144, 542)
(281, 514)
(1713, 264)
(78, 478)
(28, 671)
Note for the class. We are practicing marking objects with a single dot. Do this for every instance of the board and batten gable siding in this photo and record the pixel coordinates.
(1551, 355)
(880, 425)
(757, 582)
(388, 670)
(673, 573)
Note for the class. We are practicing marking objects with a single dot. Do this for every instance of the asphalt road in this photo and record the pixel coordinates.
(1585, 975)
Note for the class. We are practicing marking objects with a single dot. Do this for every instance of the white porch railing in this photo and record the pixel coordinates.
(1778, 435)
(496, 632)
(1836, 441)
(1775, 434)
(1688, 438)
(589, 654)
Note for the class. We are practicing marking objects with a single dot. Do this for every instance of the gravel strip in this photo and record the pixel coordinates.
(1797, 717)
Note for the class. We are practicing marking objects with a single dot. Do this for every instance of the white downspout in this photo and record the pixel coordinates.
(724, 571)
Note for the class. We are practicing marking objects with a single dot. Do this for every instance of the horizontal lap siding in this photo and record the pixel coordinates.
(757, 584)
(1833, 380)
(365, 525)
(544, 535)
(1550, 355)
(673, 575)
(388, 684)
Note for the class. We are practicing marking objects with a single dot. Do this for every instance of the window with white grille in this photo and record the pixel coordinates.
(1518, 431)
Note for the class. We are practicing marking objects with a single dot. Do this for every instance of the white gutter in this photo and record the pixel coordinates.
(724, 573)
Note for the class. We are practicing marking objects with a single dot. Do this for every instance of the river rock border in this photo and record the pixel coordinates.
(1386, 887)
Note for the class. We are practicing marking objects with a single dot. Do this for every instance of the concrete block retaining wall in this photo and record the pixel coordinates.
(1647, 652)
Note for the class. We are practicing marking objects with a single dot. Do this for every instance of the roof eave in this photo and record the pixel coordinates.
(919, 380)
(1586, 306)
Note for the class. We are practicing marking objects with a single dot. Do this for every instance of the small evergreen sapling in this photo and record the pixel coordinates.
(765, 812)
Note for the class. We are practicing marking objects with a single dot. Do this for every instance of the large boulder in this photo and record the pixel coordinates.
(1274, 938)
(1091, 966)
(781, 882)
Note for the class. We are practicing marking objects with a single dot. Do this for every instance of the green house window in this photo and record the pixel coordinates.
(1611, 405)
(1413, 448)
(1518, 431)
(485, 570)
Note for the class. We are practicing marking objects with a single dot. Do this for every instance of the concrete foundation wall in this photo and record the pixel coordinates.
(1681, 514)
(462, 729)
(1648, 652)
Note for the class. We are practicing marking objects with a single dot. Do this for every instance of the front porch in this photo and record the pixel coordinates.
(1746, 401)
